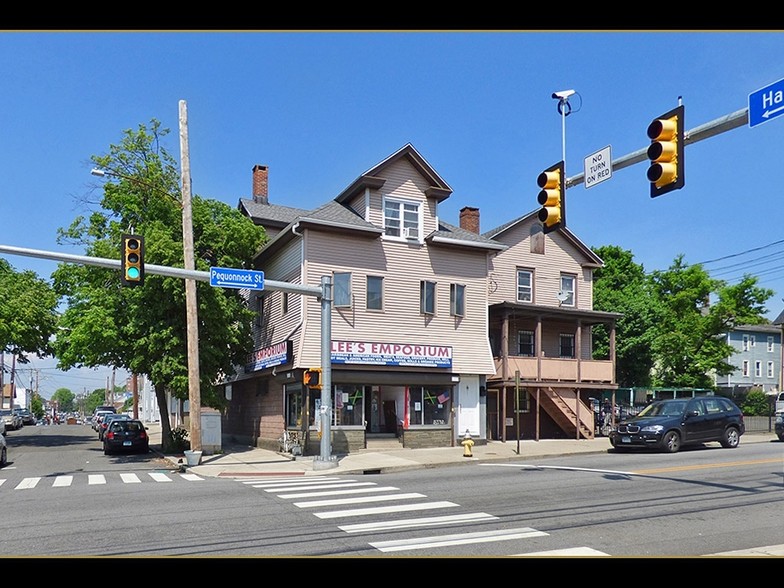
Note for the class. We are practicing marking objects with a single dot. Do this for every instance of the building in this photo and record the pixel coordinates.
(420, 312)
(757, 360)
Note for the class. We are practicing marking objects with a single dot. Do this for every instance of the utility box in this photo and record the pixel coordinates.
(211, 431)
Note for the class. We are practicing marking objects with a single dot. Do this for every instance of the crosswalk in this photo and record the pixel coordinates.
(67, 481)
(345, 499)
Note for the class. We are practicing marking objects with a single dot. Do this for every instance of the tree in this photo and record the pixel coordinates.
(670, 333)
(64, 399)
(144, 329)
(28, 313)
(621, 286)
(689, 343)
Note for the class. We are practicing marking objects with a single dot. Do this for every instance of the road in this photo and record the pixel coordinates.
(63, 497)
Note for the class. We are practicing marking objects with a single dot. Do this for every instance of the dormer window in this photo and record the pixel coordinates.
(401, 219)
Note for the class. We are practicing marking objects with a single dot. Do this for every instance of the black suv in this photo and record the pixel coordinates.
(668, 425)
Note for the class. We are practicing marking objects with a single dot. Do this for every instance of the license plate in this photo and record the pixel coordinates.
(127, 443)
(626, 439)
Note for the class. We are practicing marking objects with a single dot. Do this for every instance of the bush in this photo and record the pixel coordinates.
(756, 403)
(180, 440)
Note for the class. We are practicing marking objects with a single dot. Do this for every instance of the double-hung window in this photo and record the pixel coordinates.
(525, 343)
(342, 289)
(427, 297)
(375, 293)
(525, 285)
(401, 219)
(566, 295)
(457, 299)
(567, 345)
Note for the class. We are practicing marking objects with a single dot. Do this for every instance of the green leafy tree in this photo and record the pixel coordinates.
(64, 399)
(621, 286)
(689, 344)
(144, 329)
(28, 313)
(37, 406)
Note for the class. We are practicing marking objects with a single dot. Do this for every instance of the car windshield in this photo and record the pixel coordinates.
(664, 409)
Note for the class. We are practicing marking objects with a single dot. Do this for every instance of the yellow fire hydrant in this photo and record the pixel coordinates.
(467, 444)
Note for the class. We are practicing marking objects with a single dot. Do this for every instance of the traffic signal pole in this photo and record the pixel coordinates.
(715, 127)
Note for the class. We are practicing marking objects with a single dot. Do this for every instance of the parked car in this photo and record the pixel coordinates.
(3, 452)
(127, 436)
(779, 425)
(98, 417)
(13, 422)
(28, 418)
(108, 419)
(668, 425)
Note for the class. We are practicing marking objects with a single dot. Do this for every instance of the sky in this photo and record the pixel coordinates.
(321, 107)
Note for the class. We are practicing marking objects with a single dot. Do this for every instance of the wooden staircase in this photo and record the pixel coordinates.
(565, 416)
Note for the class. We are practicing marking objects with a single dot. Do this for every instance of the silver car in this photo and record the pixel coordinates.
(13, 422)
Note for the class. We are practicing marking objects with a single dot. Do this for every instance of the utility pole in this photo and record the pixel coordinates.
(191, 308)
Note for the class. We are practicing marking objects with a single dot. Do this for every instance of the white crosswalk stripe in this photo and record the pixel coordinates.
(70, 481)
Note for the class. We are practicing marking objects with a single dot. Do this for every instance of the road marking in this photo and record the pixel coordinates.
(316, 487)
(569, 552)
(62, 481)
(421, 522)
(159, 477)
(130, 478)
(339, 492)
(358, 512)
(27, 483)
(257, 483)
(359, 500)
(191, 477)
(457, 539)
(96, 479)
(756, 551)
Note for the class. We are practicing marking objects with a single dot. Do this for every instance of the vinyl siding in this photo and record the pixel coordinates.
(560, 257)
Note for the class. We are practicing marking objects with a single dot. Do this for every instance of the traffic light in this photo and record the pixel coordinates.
(552, 197)
(312, 378)
(666, 172)
(132, 260)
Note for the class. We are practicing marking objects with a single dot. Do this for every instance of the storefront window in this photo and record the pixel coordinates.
(429, 405)
(348, 406)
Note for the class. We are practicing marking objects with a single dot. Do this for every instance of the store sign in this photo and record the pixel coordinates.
(267, 357)
(391, 354)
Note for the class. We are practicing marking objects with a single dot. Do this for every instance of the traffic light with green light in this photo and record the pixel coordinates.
(132, 260)
(666, 172)
(552, 197)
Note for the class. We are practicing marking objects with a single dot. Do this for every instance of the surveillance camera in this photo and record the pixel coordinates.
(563, 94)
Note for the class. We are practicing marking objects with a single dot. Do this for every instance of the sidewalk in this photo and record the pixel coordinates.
(245, 461)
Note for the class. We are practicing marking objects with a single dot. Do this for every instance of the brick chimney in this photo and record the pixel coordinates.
(260, 187)
(469, 219)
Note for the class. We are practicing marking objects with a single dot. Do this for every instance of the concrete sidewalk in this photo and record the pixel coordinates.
(245, 461)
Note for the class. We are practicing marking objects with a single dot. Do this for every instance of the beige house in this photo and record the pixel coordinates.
(541, 319)
(414, 299)
(410, 355)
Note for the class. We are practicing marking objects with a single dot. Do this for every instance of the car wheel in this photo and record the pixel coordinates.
(781, 437)
(3, 457)
(106, 451)
(671, 442)
(731, 438)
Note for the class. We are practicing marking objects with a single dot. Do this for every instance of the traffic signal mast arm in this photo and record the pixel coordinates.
(706, 131)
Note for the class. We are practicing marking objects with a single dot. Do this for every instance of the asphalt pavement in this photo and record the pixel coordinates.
(235, 460)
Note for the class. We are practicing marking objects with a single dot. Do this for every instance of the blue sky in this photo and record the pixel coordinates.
(322, 107)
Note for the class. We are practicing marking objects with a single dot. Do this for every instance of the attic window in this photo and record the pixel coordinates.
(401, 219)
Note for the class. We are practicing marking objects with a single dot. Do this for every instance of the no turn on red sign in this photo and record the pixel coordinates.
(598, 167)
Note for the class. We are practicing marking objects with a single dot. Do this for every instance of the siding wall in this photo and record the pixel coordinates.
(560, 257)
